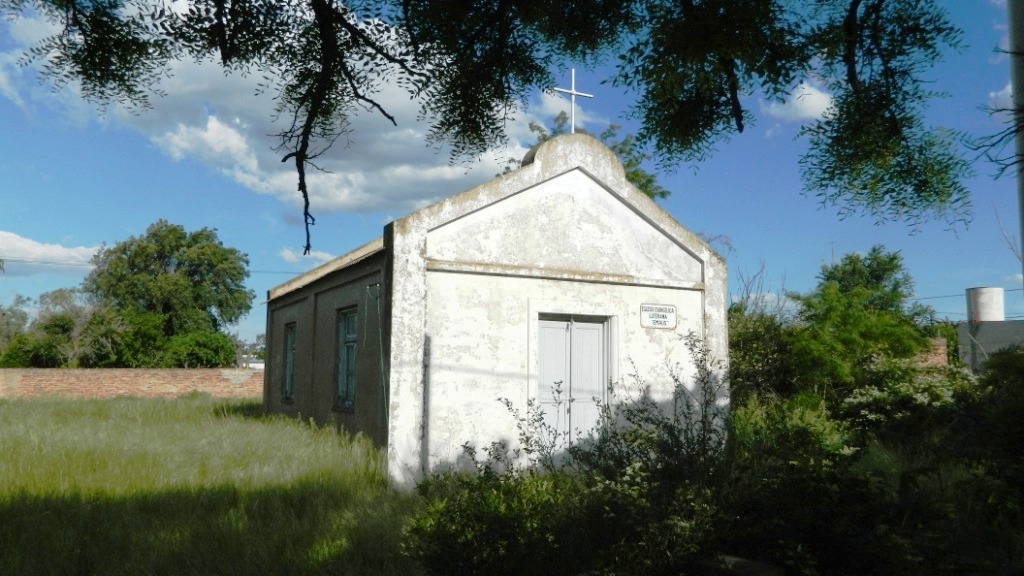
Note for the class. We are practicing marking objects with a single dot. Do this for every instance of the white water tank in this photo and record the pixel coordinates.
(985, 305)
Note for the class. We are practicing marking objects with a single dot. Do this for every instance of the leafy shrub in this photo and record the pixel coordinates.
(515, 524)
(18, 353)
(912, 471)
(633, 498)
(898, 393)
(786, 498)
(759, 357)
(200, 350)
(32, 350)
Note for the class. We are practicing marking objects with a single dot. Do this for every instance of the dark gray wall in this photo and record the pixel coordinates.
(314, 309)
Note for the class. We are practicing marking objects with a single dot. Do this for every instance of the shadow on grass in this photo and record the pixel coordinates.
(248, 409)
(308, 529)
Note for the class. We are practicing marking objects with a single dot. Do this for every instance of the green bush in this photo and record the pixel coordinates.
(897, 394)
(200, 350)
(919, 472)
(759, 357)
(633, 498)
(32, 350)
(494, 524)
(789, 497)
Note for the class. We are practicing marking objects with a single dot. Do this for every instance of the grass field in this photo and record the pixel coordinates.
(187, 487)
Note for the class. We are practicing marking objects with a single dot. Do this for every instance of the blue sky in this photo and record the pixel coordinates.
(73, 177)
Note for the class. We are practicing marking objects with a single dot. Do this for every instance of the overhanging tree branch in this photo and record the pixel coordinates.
(691, 64)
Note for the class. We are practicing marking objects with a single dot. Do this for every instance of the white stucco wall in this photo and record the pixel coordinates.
(571, 224)
(483, 346)
(568, 245)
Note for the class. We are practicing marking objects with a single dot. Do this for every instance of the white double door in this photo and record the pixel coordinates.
(573, 373)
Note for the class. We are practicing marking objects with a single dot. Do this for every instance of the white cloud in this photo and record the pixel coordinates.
(1014, 281)
(24, 256)
(8, 72)
(215, 142)
(375, 167)
(553, 103)
(1003, 99)
(221, 122)
(20, 83)
(315, 258)
(806, 102)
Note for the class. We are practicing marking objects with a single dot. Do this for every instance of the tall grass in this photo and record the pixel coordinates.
(189, 486)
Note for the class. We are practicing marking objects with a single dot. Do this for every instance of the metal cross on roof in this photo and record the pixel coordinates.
(572, 101)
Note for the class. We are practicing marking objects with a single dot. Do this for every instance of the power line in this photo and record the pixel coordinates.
(76, 263)
(961, 295)
(47, 262)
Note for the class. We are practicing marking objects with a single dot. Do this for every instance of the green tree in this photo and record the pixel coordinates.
(164, 296)
(200, 349)
(13, 320)
(856, 328)
(690, 65)
(256, 348)
(70, 305)
(858, 313)
(44, 345)
(127, 339)
(189, 279)
(54, 336)
(760, 360)
(882, 275)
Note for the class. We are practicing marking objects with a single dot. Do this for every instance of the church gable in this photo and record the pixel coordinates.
(570, 225)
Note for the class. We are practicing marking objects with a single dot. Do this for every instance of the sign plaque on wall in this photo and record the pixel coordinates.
(657, 316)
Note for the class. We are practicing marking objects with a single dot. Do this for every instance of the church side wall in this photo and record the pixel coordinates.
(314, 312)
(483, 332)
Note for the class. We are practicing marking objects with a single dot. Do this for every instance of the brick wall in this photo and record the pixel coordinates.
(110, 382)
(936, 355)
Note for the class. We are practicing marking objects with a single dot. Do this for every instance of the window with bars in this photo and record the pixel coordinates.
(346, 332)
(288, 384)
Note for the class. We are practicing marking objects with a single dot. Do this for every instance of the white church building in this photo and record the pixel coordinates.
(554, 282)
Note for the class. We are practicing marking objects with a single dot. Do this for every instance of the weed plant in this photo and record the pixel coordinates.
(918, 474)
(189, 486)
(629, 498)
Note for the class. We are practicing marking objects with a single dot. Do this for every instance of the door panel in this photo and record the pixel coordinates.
(554, 353)
(586, 378)
(571, 374)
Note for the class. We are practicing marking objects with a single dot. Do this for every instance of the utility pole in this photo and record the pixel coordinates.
(1015, 12)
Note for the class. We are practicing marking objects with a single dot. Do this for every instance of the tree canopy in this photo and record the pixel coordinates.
(840, 334)
(691, 65)
(189, 280)
(13, 320)
(162, 299)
